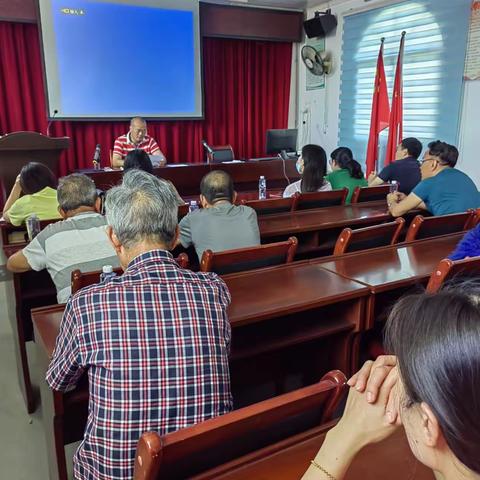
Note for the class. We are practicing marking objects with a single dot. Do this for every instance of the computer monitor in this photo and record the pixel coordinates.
(278, 140)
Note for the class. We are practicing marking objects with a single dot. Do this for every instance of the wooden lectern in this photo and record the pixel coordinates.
(19, 148)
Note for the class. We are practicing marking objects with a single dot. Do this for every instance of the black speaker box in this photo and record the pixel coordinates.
(320, 26)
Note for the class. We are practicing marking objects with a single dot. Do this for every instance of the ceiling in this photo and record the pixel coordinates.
(289, 4)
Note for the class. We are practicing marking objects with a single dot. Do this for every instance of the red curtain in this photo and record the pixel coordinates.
(246, 92)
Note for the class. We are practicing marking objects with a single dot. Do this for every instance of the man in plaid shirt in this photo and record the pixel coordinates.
(155, 340)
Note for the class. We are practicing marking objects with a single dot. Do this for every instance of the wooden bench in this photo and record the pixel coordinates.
(370, 194)
(448, 269)
(250, 258)
(425, 227)
(306, 201)
(80, 279)
(221, 439)
(369, 237)
(270, 206)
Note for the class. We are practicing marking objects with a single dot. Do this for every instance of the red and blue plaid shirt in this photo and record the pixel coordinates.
(155, 342)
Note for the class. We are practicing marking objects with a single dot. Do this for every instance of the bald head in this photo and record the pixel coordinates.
(217, 186)
(138, 129)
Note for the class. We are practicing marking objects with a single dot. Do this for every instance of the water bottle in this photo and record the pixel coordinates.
(193, 206)
(394, 186)
(262, 188)
(33, 226)
(107, 273)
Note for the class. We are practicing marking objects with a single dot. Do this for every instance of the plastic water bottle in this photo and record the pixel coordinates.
(262, 188)
(193, 206)
(394, 186)
(107, 273)
(33, 226)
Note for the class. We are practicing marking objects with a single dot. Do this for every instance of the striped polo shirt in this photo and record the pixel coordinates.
(79, 242)
(124, 144)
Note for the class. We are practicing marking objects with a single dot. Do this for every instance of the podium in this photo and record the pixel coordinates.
(19, 148)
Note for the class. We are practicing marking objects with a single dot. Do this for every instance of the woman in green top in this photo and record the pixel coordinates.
(346, 172)
(33, 193)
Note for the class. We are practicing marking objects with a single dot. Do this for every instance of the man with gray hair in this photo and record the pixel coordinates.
(78, 242)
(155, 340)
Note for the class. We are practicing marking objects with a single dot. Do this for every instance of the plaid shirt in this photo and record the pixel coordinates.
(155, 341)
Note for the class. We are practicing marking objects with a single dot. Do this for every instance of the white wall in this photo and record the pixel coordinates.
(319, 109)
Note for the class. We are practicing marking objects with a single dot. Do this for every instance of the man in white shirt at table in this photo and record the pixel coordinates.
(136, 138)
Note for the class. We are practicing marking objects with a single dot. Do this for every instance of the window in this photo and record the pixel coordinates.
(432, 69)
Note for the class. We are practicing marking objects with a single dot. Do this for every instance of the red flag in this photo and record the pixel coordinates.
(380, 112)
(395, 127)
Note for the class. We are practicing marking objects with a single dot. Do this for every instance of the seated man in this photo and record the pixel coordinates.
(136, 138)
(405, 170)
(443, 188)
(220, 225)
(77, 242)
(155, 340)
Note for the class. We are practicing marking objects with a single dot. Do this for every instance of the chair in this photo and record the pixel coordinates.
(306, 201)
(370, 237)
(448, 269)
(192, 450)
(241, 259)
(220, 153)
(475, 218)
(183, 210)
(370, 194)
(426, 227)
(270, 205)
(80, 280)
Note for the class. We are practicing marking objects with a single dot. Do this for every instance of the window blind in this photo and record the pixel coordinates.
(433, 68)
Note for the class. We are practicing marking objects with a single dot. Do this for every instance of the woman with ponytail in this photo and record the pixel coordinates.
(346, 172)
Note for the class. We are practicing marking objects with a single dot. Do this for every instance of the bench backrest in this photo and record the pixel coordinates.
(306, 201)
(242, 259)
(369, 237)
(192, 450)
(270, 206)
(370, 194)
(426, 227)
(448, 269)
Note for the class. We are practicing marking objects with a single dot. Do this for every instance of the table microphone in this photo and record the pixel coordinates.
(207, 147)
(50, 122)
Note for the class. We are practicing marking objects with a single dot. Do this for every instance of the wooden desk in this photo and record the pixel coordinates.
(186, 178)
(273, 349)
(318, 229)
(391, 271)
(289, 459)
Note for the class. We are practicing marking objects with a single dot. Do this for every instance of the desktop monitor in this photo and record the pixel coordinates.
(278, 140)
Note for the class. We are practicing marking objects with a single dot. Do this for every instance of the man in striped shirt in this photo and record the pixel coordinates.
(78, 242)
(135, 138)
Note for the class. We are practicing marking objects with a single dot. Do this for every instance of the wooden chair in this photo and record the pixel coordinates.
(448, 269)
(241, 259)
(183, 210)
(426, 227)
(306, 201)
(370, 194)
(221, 153)
(192, 450)
(270, 205)
(84, 279)
(369, 237)
(475, 218)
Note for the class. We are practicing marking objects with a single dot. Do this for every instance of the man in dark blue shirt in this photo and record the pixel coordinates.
(405, 170)
(443, 189)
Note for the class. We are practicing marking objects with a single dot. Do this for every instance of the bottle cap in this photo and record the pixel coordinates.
(107, 269)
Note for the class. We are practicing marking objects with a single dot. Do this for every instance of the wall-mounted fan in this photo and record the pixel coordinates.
(318, 63)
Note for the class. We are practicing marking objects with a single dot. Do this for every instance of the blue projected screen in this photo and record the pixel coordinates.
(122, 58)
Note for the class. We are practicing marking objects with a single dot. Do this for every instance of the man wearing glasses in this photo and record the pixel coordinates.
(136, 138)
(443, 189)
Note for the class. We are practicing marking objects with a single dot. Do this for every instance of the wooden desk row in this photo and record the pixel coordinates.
(187, 177)
(290, 325)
